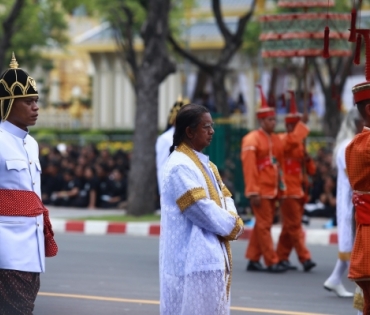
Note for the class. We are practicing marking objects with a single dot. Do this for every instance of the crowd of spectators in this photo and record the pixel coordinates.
(323, 188)
(83, 177)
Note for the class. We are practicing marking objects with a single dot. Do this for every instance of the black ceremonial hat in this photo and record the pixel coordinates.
(14, 83)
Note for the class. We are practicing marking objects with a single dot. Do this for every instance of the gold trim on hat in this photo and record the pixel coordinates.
(294, 115)
(17, 96)
(13, 63)
(268, 109)
(4, 116)
(10, 89)
(358, 88)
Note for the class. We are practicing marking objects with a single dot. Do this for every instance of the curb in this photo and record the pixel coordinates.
(313, 236)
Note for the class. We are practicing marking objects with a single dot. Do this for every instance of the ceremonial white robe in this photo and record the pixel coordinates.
(344, 205)
(194, 264)
(162, 150)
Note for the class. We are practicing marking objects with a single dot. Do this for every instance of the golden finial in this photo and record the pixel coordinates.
(13, 63)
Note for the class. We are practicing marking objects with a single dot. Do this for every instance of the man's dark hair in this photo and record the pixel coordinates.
(188, 116)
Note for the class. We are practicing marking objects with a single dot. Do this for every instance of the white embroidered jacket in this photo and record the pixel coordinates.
(21, 238)
(191, 226)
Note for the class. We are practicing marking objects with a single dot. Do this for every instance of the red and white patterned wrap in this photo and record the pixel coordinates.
(28, 204)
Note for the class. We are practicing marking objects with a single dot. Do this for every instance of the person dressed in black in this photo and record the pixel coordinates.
(88, 192)
(102, 171)
(51, 182)
(70, 190)
(117, 193)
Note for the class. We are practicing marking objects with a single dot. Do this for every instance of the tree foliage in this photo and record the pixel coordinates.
(38, 24)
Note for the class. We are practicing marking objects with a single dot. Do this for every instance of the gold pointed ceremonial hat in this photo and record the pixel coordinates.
(14, 83)
(175, 109)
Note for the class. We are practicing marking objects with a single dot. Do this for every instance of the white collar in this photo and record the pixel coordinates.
(14, 130)
(202, 157)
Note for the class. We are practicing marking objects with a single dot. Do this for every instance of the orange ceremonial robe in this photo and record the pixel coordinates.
(294, 155)
(358, 169)
(262, 158)
(292, 235)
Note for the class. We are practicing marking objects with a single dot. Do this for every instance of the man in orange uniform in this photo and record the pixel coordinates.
(358, 170)
(295, 159)
(262, 158)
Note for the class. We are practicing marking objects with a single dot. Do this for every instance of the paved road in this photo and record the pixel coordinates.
(111, 275)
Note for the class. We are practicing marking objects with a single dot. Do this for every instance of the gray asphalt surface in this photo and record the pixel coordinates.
(106, 274)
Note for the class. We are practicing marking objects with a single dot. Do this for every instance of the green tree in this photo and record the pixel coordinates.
(148, 20)
(232, 43)
(28, 26)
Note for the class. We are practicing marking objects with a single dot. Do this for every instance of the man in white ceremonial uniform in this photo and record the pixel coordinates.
(165, 140)
(198, 219)
(25, 230)
(351, 125)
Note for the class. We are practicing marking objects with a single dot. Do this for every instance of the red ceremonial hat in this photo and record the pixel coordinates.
(361, 92)
(293, 116)
(264, 111)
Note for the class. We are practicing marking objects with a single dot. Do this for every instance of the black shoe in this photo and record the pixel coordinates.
(305, 220)
(255, 266)
(308, 265)
(276, 268)
(288, 265)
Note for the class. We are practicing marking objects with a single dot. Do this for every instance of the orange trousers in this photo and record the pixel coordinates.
(260, 243)
(292, 235)
(365, 286)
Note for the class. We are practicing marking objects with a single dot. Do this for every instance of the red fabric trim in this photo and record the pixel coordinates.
(28, 204)
(263, 163)
(302, 35)
(305, 16)
(292, 119)
(306, 4)
(303, 53)
(362, 205)
(265, 112)
(292, 167)
(362, 95)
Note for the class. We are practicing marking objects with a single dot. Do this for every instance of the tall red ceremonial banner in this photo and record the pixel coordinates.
(300, 34)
